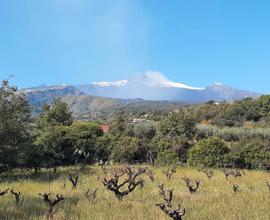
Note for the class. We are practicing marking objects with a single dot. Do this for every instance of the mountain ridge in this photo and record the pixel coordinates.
(151, 86)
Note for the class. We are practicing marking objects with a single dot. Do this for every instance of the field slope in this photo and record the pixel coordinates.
(215, 198)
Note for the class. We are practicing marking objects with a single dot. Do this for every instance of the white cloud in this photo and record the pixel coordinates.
(158, 78)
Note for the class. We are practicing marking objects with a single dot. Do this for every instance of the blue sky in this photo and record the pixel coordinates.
(81, 41)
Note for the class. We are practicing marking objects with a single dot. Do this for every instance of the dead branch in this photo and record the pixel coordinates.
(74, 180)
(192, 188)
(234, 173)
(2, 193)
(176, 214)
(19, 199)
(150, 174)
(236, 188)
(207, 172)
(168, 173)
(166, 197)
(124, 181)
(51, 203)
(167, 206)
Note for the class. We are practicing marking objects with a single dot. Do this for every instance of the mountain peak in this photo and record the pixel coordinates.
(151, 85)
(149, 78)
(217, 84)
(107, 84)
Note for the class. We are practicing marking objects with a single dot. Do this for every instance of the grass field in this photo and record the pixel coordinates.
(215, 198)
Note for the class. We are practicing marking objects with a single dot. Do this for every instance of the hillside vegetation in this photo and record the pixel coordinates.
(213, 134)
(212, 160)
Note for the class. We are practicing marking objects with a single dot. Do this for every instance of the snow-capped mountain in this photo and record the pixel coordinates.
(107, 84)
(151, 85)
(150, 78)
(157, 79)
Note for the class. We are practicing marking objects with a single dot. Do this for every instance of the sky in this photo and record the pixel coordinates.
(82, 41)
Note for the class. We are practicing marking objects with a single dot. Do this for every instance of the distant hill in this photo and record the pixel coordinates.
(84, 104)
(114, 96)
(155, 86)
(87, 106)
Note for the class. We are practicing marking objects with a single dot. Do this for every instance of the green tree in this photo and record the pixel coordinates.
(209, 152)
(178, 126)
(15, 116)
(54, 115)
(85, 137)
(52, 142)
(103, 150)
(264, 103)
(127, 149)
(252, 154)
(177, 129)
(119, 125)
(145, 131)
(233, 115)
(54, 147)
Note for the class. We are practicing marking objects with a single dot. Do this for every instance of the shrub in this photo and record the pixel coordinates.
(233, 134)
(255, 154)
(210, 152)
(167, 157)
(53, 147)
(126, 149)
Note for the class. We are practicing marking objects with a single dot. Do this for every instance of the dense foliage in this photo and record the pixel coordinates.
(209, 152)
(14, 124)
(212, 135)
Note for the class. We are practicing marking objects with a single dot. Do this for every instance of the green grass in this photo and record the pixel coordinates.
(214, 200)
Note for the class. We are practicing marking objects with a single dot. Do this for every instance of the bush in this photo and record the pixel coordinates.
(127, 149)
(254, 154)
(210, 152)
(167, 157)
(53, 147)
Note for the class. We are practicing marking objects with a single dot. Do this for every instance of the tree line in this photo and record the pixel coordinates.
(54, 139)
